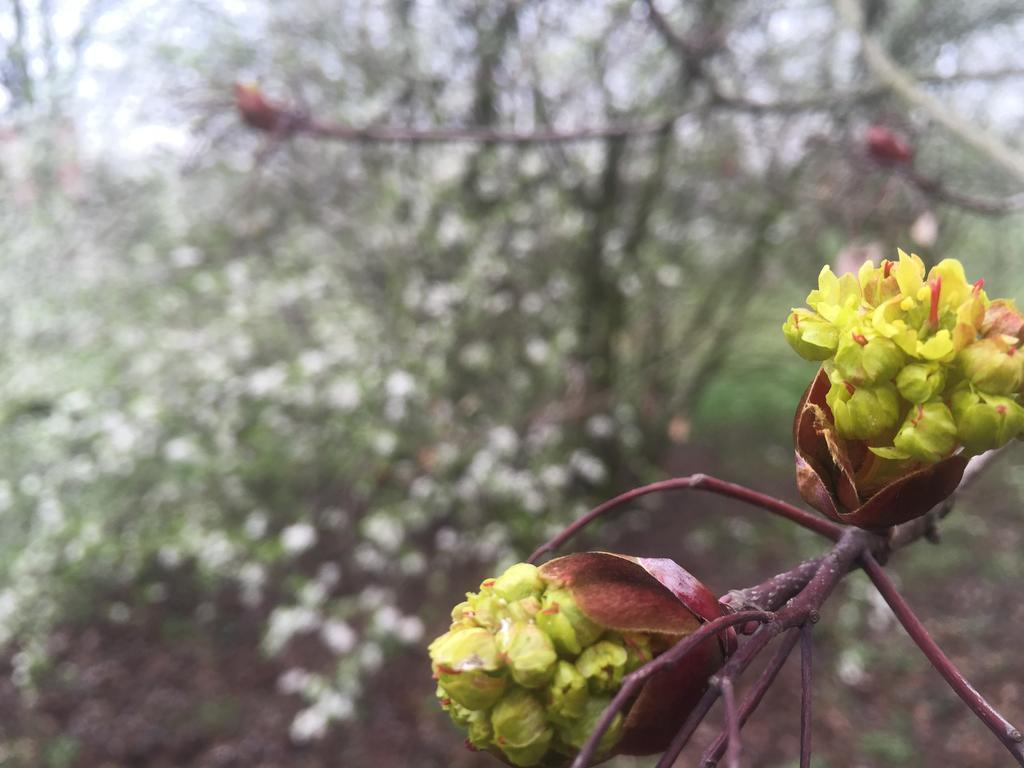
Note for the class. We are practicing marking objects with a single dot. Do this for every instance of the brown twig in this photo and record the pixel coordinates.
(753, 698)
(805, 695)
(732, 722)
(697, 482)
(1005, 731)
(398, 135)
(632, 682)
(842, 558)
(785, 602)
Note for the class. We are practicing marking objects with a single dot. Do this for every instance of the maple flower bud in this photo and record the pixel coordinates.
(576, 732)
(866, 413)
(567, 693)
(529, 653)
(928, 434)
(926, 371)
(603, 664)
(467, 664)
(985, 422)
(566, 624)
(519, 581)
(521, 729)
(920, 382)
(535, 656)
(860, 360)
(811, 336)
(993, 366)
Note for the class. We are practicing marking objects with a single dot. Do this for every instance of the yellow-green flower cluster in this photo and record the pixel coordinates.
(920, 366)
(523, 671)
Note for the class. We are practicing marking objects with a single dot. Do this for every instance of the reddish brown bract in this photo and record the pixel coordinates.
(652, 595)
(828, 469)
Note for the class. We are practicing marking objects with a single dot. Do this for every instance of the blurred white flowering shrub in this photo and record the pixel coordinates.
(305, 407)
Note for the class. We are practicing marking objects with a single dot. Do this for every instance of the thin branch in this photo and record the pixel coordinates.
(732, 723)
(927, 525)
(631, 683)
(398, 135)
(900, 82)
(825, 101)
(985, 206)
(773, 593)
(805, 696)
(1005, 731)
(699, 482)
(835, 565)
(753, 697)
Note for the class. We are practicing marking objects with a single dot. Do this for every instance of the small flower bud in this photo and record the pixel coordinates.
(565, 623)
(985, 421)
(920, 382)
(865, 361)
(994, 366)
(866, 414)
(567, 693)
(476, 722)
(575, 733)
(519, 581)
(929, 432)
(811, 336)
(529, 653)
(467, 664)
(521, 729)
(603, 664)
(1002, 318)
(639, 647)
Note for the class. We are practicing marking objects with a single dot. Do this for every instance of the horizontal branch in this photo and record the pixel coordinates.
(698, 482)
(398, 135)
(1006, 732)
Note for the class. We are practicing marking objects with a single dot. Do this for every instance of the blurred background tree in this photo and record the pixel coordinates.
(270, 401)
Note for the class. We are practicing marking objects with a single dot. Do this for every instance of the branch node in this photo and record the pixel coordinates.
(813, 617)
(1015, 735)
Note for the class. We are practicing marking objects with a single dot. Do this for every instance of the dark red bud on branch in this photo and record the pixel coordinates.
(256, 111)
(885, 147)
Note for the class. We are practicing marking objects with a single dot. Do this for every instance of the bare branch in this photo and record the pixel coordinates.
(696, 483)
(753, 698)
(805, 696)
(835, 565)
(1005, 731)
(732, 723)
(901, 83)
(281, 122)
(772, 594)
(632, 682)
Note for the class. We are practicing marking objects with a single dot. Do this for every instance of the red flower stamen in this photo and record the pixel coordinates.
(860, 338)
(886, 267)
(933, 313)
(978, 286)
(1001, 410)
(849, 387)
